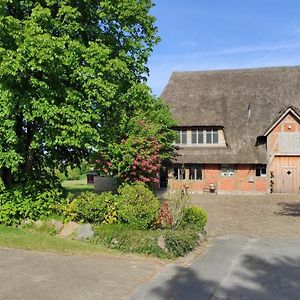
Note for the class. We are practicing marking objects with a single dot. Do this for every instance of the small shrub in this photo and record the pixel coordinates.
(195, 216)
(73, 173)
(177, 203)
(91, 207)
(137, 205)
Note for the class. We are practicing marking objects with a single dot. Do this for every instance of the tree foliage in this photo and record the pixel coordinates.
(70, 73)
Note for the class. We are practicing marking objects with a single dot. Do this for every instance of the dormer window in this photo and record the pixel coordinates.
(198, 136)
(212, 136)
(205, 136)
(182, 137)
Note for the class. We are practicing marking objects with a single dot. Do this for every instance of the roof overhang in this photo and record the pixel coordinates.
(290, 110)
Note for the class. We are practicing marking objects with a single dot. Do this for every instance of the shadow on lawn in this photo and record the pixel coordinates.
(256, 279)
(289, 209)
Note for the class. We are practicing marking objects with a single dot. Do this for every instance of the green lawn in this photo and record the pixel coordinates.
(77, 186)
(11, 237)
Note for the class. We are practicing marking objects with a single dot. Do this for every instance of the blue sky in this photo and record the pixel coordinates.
(223, 34)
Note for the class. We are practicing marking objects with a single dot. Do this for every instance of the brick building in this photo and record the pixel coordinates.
(238, 130)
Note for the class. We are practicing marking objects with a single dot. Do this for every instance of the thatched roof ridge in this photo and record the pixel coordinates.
(244, 102)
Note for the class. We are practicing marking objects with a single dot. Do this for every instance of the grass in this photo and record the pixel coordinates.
(17, 238)
(77, 186)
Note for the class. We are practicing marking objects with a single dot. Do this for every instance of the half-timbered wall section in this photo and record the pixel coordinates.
(283, 144)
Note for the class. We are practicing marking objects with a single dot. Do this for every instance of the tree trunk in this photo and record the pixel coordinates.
(6, 177)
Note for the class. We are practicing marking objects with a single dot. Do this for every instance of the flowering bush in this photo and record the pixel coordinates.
(137, 157)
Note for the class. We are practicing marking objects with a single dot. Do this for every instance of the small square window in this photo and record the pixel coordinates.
(261, 171)
(228, 170)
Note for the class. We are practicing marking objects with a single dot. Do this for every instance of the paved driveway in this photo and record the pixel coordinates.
(233, 268)
(270, 215)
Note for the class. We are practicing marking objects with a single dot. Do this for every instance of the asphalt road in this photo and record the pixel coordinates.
(234, 267)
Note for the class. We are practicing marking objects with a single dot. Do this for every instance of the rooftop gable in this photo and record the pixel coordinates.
(290, 110)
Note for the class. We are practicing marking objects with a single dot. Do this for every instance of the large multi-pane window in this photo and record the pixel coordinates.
(198, 136)
(194, 172)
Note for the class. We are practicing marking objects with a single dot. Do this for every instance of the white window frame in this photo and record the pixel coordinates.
(212, 132)
(197, 132)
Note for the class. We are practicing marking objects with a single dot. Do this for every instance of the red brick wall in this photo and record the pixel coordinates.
(244, 173)
(261, 184)
(244, 181)
(211, 175)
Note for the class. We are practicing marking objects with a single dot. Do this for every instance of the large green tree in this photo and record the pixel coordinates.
(70, 73)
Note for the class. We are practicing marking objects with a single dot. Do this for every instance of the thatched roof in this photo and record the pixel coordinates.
(244, 102)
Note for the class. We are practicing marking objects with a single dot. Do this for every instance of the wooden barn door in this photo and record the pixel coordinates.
(287, 174)
(289, 179)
